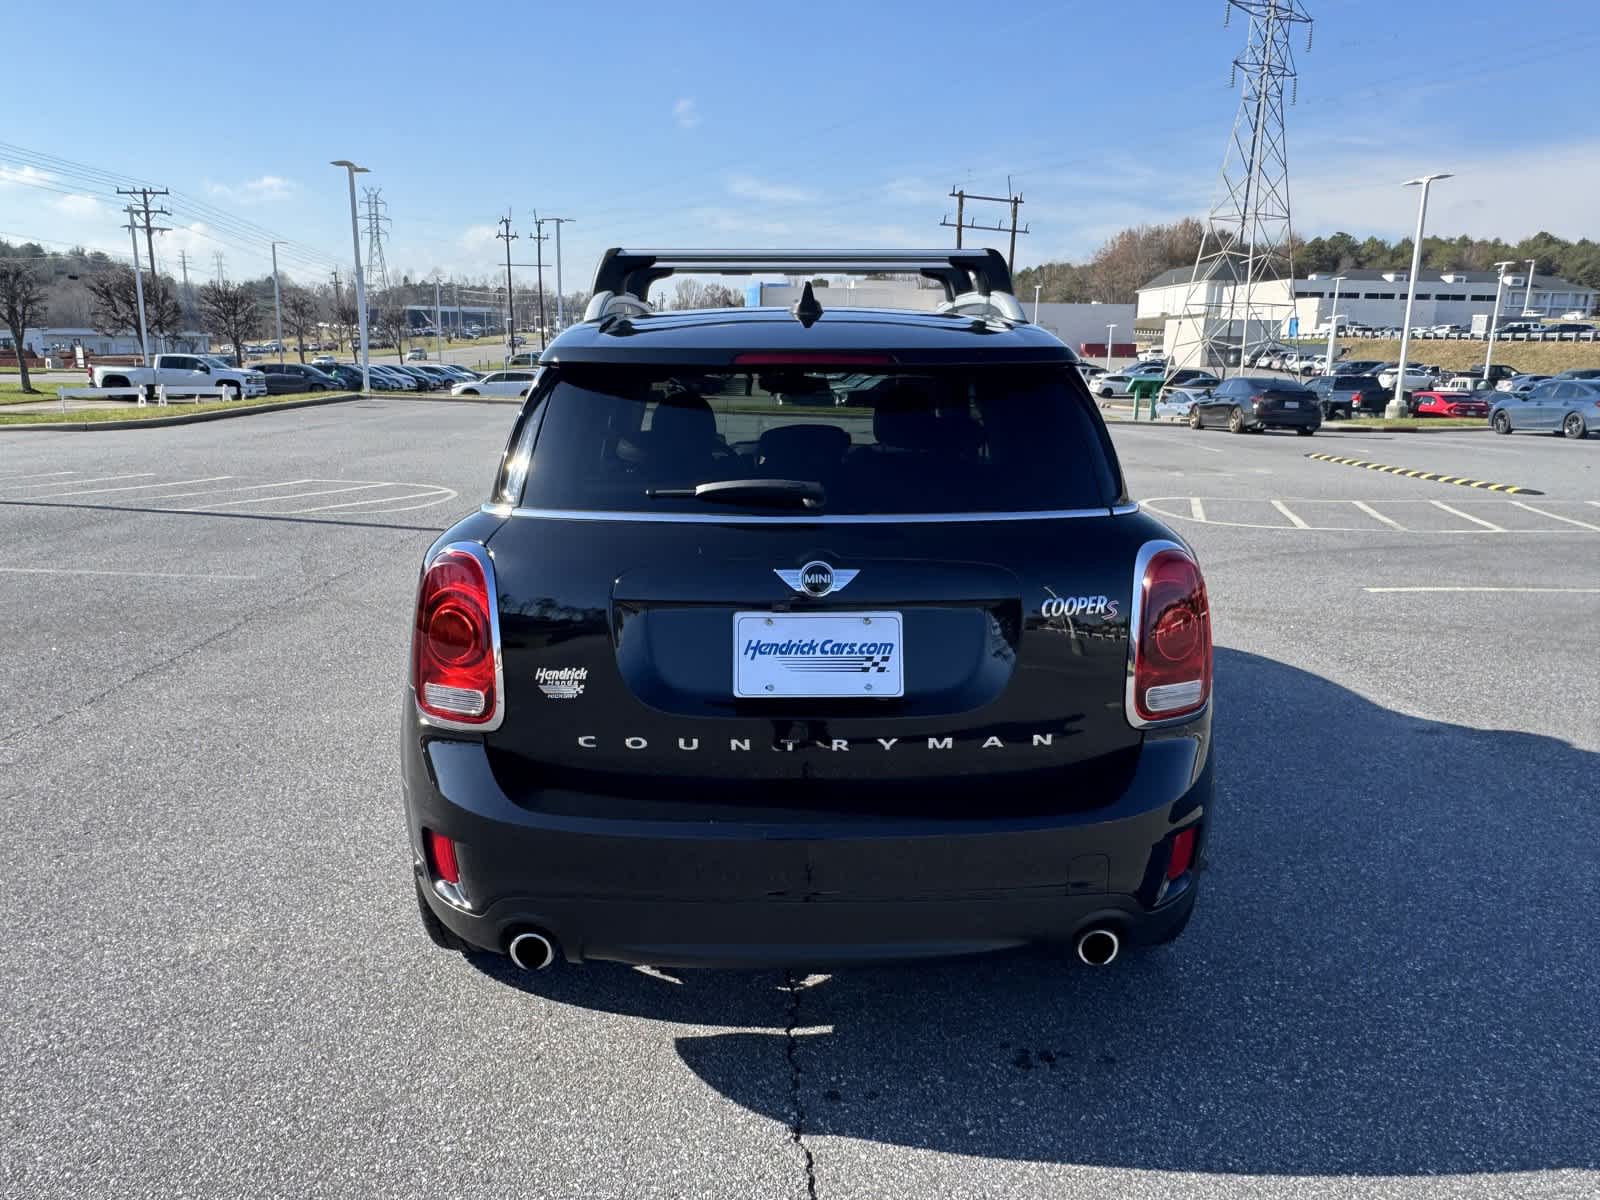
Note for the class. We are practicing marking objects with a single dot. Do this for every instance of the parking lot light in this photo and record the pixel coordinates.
(1110, 329)
(1494, 314)
(1397, 402)
(361, 287)
(1333, 325)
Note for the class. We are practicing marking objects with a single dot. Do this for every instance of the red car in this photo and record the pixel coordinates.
(1448, 404)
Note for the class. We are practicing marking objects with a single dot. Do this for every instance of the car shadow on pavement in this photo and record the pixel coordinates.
(1390, 972)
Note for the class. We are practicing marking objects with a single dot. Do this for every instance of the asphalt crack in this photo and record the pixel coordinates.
(797, 1107)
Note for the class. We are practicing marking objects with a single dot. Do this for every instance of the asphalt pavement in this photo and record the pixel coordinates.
(216, 982)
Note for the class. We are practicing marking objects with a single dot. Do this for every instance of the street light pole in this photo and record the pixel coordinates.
(1533, 264)
(561, 309)
(1110, 329)
(361, 287)
(1036, 289)
(1397, 403)
(1494, 316)
(277, 304)
(1333, 324)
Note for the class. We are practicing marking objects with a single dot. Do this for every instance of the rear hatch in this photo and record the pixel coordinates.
(908, 595)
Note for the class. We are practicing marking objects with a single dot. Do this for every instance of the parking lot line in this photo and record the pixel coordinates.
(1576, 591)
(97, 479)
(252, 487)
(120, 574)
(135, 487)
(440, 493)
(1466, 516)
(38, 475)
(1196, 509)
(1293, 520)
(360, 487)
(1557, 516)
(1378, 516)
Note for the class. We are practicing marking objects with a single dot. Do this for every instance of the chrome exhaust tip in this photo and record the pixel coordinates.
(532, 950)
(1098, 947)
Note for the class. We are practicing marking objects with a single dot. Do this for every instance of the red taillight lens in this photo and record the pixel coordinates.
(452, 649)
(1182, 853)
(1172, 646)
(1258, 398)
(442, 857)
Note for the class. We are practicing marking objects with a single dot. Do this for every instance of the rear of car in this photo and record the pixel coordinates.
(714, 678)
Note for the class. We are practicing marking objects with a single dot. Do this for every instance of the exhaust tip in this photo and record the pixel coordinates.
(532, 950)
(1098, 947)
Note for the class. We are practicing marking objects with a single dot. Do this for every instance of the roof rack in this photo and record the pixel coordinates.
(973, 280)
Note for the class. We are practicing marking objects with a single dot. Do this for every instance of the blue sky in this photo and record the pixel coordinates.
(786, 124)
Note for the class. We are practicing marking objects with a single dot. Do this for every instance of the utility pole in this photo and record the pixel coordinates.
(962, 196)
(539, 239)
(222, 276)
(1494, 317)
(336, 325)
(508, 237)
(277, 304)
(148, 215)
(438, 323)
(188, 292)
(561, 311)
(138, 283)
(351, 171)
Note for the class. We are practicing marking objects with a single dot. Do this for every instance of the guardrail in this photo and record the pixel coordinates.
(163, 393)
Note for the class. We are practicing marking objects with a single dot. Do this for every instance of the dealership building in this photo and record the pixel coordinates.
(1169, 306)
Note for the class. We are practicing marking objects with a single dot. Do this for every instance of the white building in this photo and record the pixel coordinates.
(63, 340)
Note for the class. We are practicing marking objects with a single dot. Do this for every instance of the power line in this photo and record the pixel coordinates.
(961, 196)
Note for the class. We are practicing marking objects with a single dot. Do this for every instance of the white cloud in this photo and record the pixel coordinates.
(725, 220)
(908, 190)
(78, 205)
(254, 191)
(750, 188)
(23, 176)
(686, 113)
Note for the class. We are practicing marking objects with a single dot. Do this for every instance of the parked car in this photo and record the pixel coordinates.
(1416, 377)
(1438, 402)
(1359, 366)
(440, 377)
(324, 361)
(288, 378)
(1576, 314)
(497, 383)
(1569, 406)
(416, 354)
(1334, 406)
(1255, 403)
(1257, 355)
(424, 380)
(1580, 373)
(391, 379)
(1178, 403)
(1569, 327)
(1520, 383)
(462, 374)
(1191, 378)
(686, 576)
(175, 370)
(348, 377)
(1117, 383)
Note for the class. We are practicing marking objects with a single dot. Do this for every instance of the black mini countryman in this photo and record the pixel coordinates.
(804, 637)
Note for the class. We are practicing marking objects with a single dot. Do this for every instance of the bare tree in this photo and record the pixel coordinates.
(114, 303)
(22, 304)
(395, 326)
(230, 310)
(300, 310)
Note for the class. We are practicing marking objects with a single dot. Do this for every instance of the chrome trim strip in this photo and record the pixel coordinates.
(1136, 621)
(486, 561)
(679, 518)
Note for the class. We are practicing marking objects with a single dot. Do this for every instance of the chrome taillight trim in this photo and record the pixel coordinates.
(486, 562)
(1130, 705)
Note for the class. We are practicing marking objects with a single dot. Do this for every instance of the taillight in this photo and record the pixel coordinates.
(1258, 398)
(1170, 637)
(455, 644)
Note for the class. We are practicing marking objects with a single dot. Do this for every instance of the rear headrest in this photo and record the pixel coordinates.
(823, 445)
(682, 418)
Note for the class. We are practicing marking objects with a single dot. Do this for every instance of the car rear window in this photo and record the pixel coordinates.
(980, 439)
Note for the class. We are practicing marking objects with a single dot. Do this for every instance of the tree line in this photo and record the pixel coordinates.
(1131, 258)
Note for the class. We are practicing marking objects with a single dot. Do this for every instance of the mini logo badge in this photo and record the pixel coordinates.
(816, 579)
(561, 683)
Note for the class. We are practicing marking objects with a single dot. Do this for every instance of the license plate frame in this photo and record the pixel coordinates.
(818, 656)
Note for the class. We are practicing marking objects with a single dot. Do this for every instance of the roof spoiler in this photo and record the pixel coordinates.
(977, 278)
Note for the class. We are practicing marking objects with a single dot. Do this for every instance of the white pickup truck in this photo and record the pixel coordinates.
(176, 370)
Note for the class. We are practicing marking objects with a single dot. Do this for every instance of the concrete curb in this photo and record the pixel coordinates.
(183, 419)
(517, 400)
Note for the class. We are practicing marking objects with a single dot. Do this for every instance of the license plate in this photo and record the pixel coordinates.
(778, 655)
(1291, 404)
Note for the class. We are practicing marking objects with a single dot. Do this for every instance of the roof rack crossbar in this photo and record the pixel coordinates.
(631, 272)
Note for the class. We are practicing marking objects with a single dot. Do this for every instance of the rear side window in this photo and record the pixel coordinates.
(996, 439)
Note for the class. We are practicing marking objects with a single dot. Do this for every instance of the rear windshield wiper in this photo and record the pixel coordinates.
(803, 493)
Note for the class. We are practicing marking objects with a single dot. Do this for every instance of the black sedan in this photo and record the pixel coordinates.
(1254, 403)
(289, 378)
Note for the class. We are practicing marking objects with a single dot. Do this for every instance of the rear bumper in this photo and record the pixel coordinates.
(694, 893)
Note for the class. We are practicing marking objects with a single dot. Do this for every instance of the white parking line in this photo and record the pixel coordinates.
(98, 479)
(1557, 516)
(119, 574)
(1378, 516)
(360, 487)
(1466, 516)
(1197, 510)
(1293, 520)
(136, 487)
(253, 487)
(39, 475)
(1575, 591)
(437, 493)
